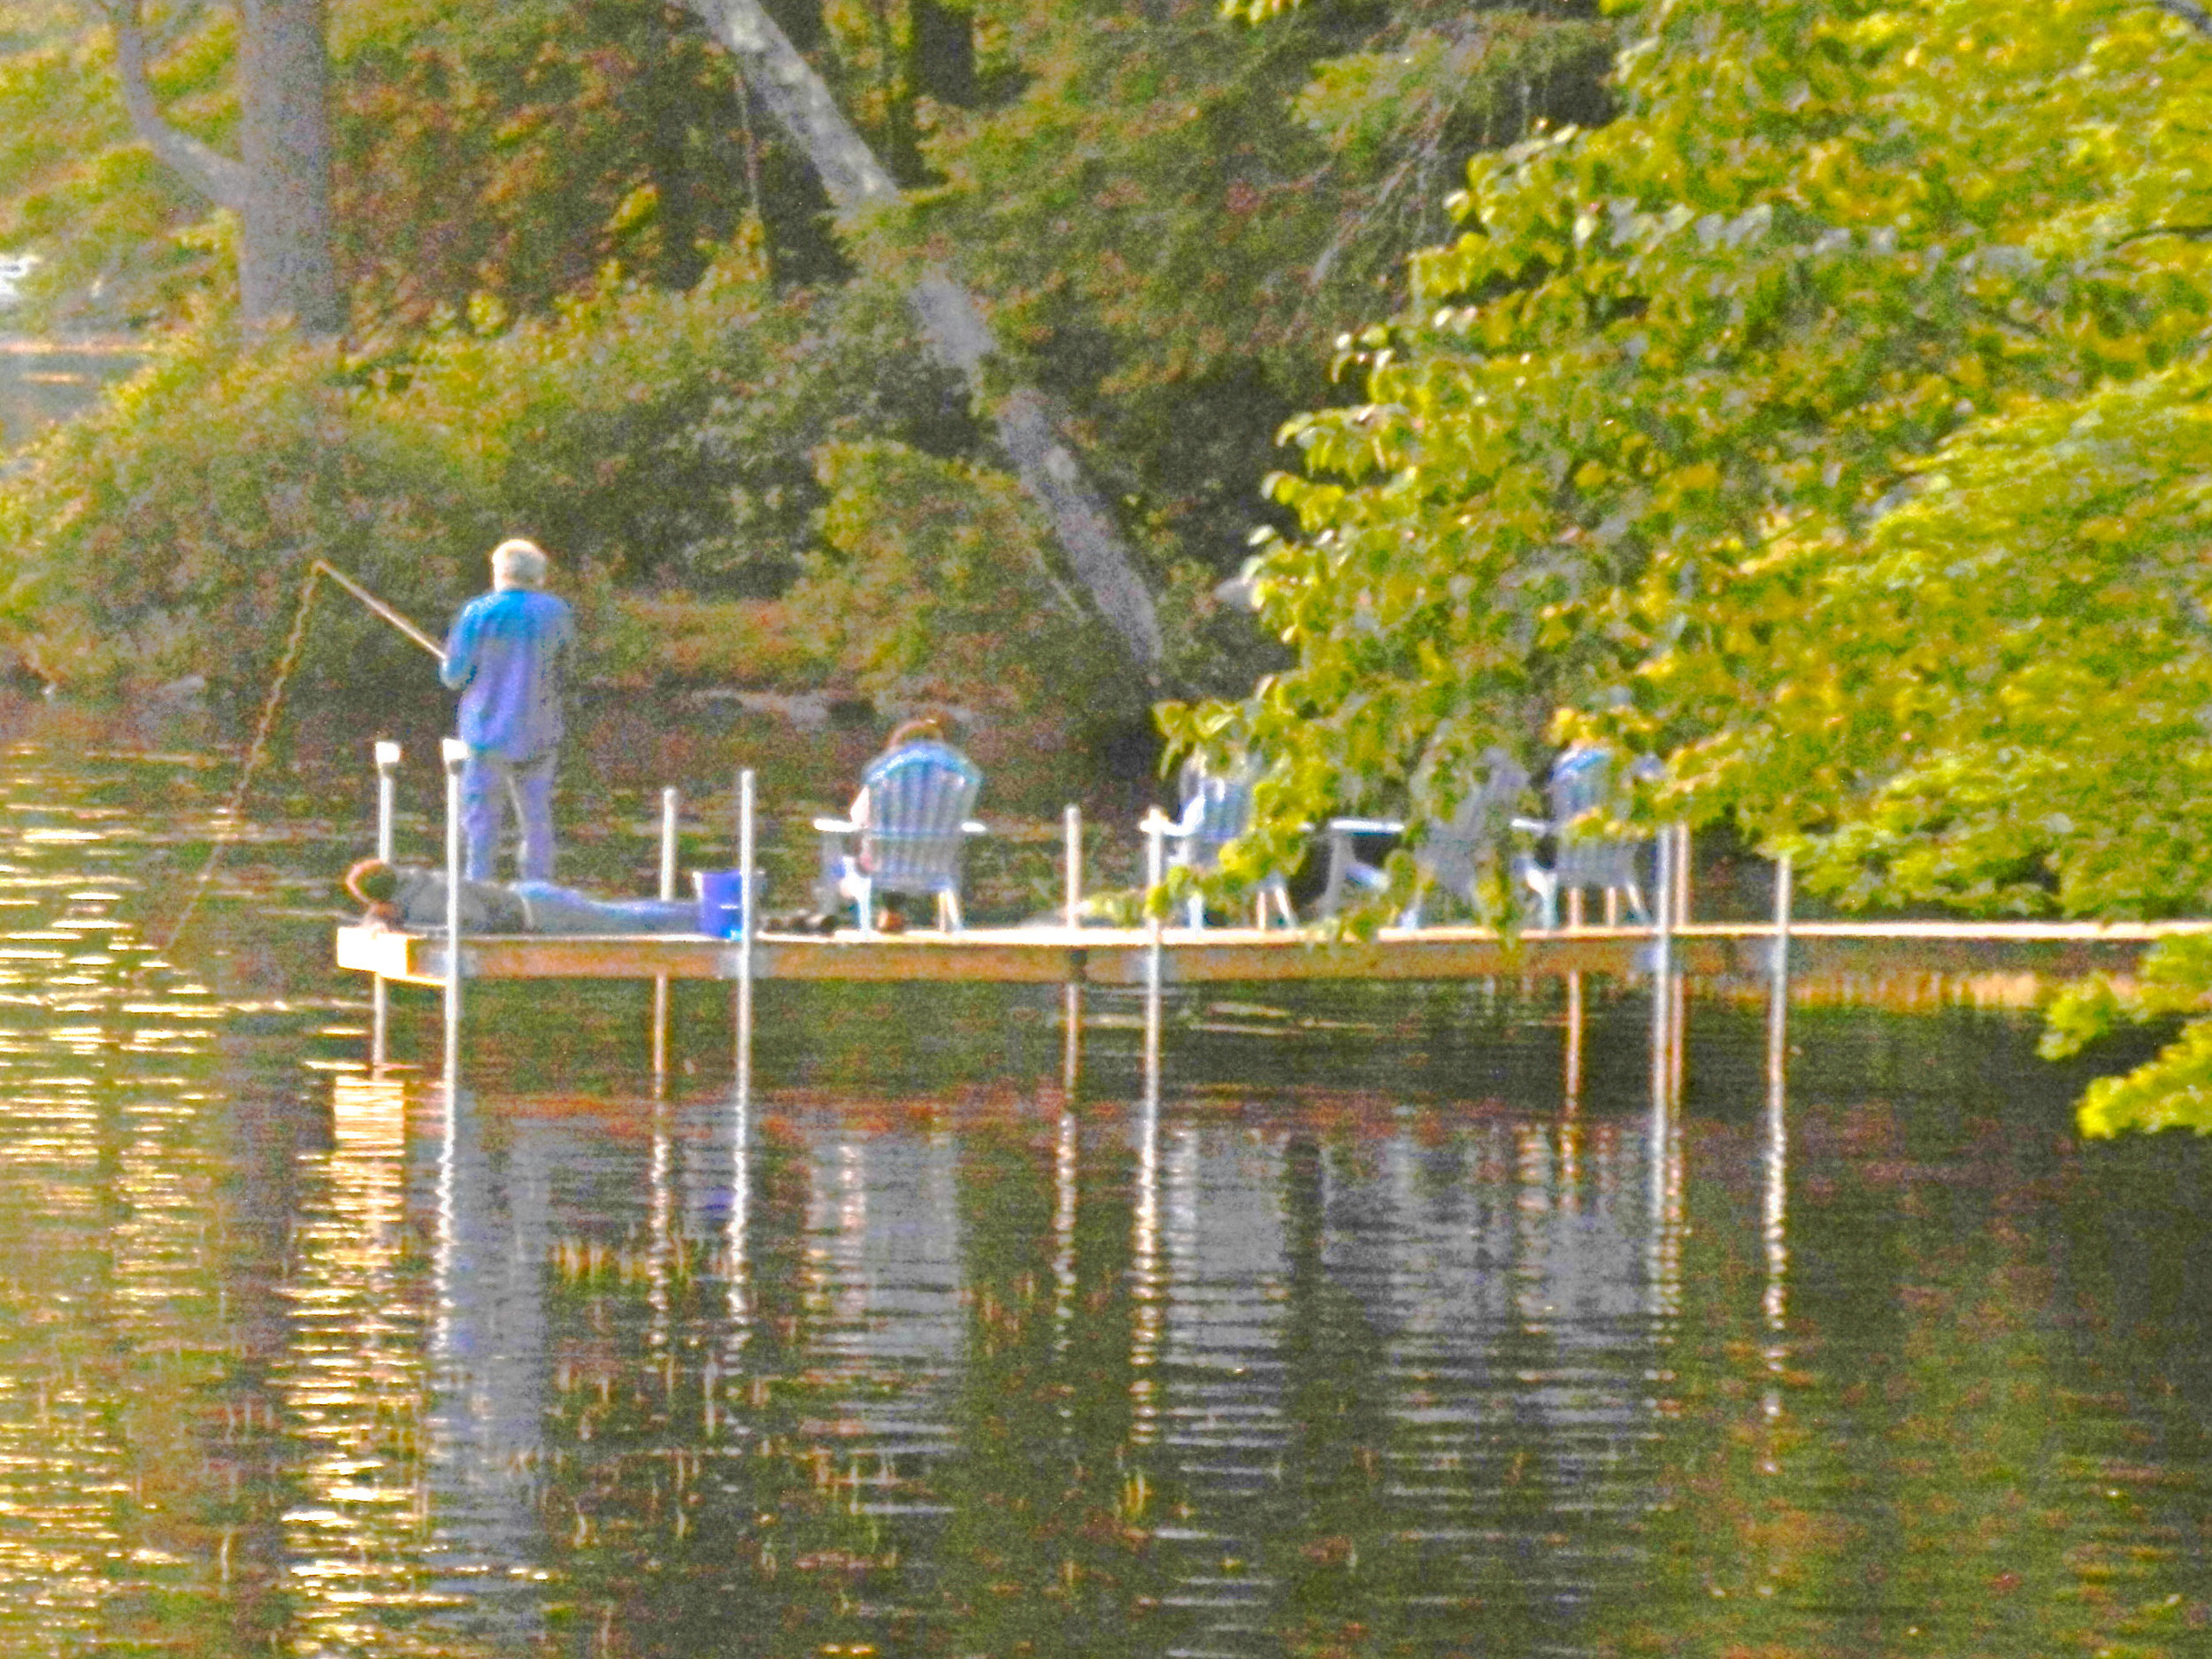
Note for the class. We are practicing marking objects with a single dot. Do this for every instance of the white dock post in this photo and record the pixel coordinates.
(1775, 1198)
(1778, 989)
(1678, 1007)
(1071, 997)
(670, 801)
(1155, 955)
(387, 802)
(746, 923)
(455, 753)
(1663, 970)
(1072, 836)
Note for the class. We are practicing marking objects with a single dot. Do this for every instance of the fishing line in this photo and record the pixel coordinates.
(228, 821)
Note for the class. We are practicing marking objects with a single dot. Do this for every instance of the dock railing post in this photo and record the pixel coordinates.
(1072, 836)
(1154, 962)
(1776, 1195)
(387, 802)
(1072, 998)
(1663, 970)
(1778, 989)
(455, 753)
(670, 805)
(747, 921)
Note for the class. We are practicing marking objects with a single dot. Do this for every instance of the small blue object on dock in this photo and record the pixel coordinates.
(722, 902)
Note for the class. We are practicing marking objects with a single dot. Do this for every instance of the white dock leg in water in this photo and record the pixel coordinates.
(456, 754)
(1778, 989)
(386, 800)
(1155, 955)
(1776, 1197)
(1662, 972)
(1071, 999)
(746, 923)
(670, 805)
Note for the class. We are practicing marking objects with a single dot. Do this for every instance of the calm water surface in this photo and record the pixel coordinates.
(1366, 1338)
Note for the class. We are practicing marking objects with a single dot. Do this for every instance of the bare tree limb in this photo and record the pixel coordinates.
(2189, 12)
(215, 175)
(953, 325)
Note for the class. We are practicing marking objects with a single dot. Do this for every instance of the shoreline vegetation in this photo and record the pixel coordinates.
(1810, 396)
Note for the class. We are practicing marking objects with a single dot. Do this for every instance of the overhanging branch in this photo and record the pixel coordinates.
(213, 174)
(953, 325)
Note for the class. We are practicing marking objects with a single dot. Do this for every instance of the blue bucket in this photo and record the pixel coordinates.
(722, 900)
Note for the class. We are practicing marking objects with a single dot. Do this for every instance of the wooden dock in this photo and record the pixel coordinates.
(2005, 953)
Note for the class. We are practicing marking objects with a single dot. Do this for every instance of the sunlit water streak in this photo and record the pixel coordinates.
(1391, 1326)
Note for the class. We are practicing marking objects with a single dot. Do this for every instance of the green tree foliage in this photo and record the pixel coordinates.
(1829, 424)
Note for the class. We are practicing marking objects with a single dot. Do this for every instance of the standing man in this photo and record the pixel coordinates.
(507, 657)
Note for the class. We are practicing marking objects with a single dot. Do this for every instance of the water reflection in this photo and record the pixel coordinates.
(1453, 1336)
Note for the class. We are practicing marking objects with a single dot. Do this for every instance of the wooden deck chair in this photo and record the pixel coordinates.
(919, 796)
(1451, 853)
(1583, 783)
(1216, 809)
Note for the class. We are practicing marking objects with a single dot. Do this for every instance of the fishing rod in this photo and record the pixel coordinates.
(287, 660)
(377, 607)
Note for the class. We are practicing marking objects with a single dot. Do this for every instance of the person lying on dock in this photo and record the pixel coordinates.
(412, 897)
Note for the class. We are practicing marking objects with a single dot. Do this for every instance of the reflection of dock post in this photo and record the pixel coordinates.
(456, 754)
(387, 798)
(1574, 1040)
(747, 922)
(670, 802)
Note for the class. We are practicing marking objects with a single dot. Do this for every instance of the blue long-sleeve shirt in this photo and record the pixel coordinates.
(507, 657)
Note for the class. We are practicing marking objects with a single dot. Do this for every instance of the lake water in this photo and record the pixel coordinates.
(1364, 1338)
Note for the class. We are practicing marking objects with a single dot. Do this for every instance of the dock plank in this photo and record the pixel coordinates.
(1109, 957)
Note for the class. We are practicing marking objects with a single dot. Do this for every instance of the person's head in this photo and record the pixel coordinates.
(518, 564)
(373, 881)
(922, 728)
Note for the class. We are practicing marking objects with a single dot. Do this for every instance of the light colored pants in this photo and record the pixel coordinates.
(490, 783)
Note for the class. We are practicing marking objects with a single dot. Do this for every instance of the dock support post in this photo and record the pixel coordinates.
(1778, 989)
(747, 922)
(455, 755)
(1683, 865)
(1662, 965)
(671, 803)
(1774, 1207)
(387, 802)
(1071, 833)
(1155, 954)
(1072, 998)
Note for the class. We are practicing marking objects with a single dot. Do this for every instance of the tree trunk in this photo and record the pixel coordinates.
(285, 266)
(280, 189)
(952, 324)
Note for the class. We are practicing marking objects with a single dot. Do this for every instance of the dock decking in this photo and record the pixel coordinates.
(1114, 957)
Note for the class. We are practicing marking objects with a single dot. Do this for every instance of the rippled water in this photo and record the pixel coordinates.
(1366, 1339)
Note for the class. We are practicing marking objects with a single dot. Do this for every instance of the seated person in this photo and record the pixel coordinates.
(850, 875)
(412, 897)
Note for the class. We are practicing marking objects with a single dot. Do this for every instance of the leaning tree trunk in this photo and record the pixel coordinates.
(952, 324)
(281, 186)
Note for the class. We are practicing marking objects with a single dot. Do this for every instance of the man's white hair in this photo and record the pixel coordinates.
(518, 564)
